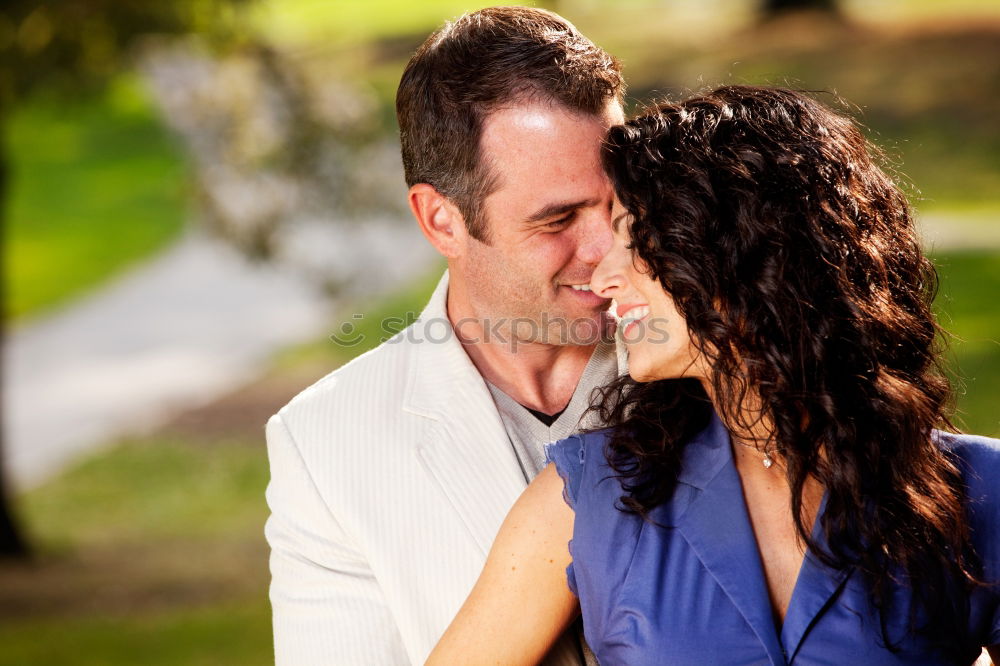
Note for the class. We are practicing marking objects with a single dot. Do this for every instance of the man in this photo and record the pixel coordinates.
(392, 475)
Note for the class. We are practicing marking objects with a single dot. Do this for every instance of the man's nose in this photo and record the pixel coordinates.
(606, 279)
(596, 239)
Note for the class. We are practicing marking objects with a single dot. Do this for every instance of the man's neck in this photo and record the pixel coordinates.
(539, 376)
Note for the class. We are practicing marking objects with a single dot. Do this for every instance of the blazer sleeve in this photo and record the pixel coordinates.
(327, 606)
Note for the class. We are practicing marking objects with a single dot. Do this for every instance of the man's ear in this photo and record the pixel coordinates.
(439, 219)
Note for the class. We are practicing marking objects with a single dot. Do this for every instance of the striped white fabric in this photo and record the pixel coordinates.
(389, 481)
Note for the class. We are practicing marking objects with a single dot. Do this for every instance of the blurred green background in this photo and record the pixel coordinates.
(151, 550)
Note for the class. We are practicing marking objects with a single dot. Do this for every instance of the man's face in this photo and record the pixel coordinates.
(548, 224)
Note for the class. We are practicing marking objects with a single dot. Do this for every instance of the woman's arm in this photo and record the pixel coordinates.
(521, 603)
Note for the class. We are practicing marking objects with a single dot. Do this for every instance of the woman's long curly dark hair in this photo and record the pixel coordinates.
(795, 261)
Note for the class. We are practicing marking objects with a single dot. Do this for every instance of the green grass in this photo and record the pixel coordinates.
(970, 310)
(153, 490)
(96, 184)
(149, 552)
(226, 634)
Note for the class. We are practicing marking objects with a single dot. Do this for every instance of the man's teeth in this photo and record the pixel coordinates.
(581, 287)
(635, 314)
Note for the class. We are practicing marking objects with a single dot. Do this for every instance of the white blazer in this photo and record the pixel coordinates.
(390, 478)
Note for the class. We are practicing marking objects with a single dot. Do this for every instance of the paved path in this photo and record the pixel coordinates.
(189, 326)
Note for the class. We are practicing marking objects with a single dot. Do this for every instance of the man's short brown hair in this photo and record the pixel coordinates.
(471, 66)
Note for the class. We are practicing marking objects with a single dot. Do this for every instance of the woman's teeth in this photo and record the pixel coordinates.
(581, 287)
(635, 314)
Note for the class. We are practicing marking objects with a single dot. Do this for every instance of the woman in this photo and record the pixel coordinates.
(771, 488)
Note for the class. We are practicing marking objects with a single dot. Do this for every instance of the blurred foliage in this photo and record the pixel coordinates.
(922, 78)
(96, 184)
(928, 92)
(74, 44)
(274, 145)
(340, 26)
(88, 179)
(929, 95)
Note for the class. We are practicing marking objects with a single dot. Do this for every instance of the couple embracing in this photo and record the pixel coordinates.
(688, 411)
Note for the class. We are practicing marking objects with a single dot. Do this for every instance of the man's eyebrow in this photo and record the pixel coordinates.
(614, 222)
(559, 208)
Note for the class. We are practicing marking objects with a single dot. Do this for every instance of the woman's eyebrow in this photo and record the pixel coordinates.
(615, 222)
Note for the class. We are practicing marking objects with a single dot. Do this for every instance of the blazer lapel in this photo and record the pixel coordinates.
(717, 527)
(817, 587)
(467, 451)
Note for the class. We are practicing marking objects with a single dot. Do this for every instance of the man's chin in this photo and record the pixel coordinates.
(579, 327)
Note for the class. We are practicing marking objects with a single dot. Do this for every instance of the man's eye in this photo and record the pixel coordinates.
(561, 222)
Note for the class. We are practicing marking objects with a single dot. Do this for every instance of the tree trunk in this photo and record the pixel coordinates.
(776, 6)
(12, 543)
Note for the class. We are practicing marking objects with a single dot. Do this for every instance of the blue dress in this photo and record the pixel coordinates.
(693, 591)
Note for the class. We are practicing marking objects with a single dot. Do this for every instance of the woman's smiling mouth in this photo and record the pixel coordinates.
(629, 314)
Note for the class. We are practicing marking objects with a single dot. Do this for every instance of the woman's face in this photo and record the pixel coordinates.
(648, 322)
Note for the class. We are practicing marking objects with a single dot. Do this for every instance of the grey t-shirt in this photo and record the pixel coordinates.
(528, 435)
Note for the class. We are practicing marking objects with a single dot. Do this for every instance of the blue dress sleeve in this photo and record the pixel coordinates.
(983, 483)
(568, 457)
(980, 465)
